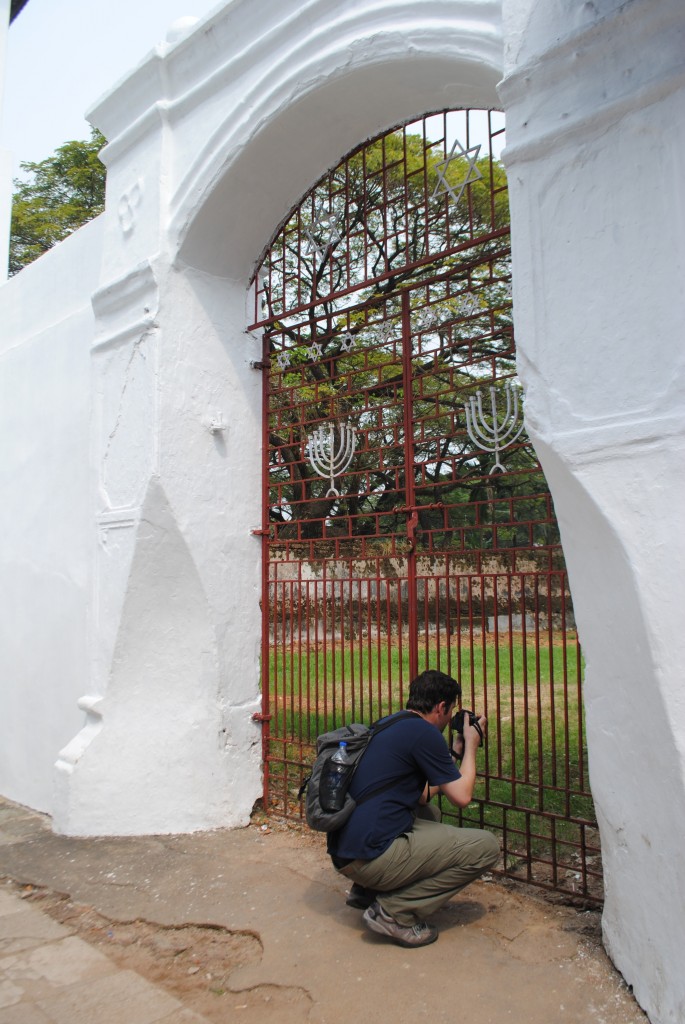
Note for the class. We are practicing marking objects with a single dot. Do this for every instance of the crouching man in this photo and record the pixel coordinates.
(403, 862)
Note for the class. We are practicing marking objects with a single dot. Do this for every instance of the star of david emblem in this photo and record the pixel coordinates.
(326, 227)
(316, 350)
(469, 304)
(387, 331)
(427, 320)
(283, 360)
(472, 174)
(313, 245)
(347, 343)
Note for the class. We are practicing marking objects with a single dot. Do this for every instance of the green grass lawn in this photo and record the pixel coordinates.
(532, 773)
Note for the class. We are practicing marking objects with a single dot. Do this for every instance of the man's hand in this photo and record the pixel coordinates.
(471, 736)
(460, 792)
(459, 742)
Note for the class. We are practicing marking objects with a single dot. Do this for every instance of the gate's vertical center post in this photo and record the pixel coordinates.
(409, 494)
(264, 536)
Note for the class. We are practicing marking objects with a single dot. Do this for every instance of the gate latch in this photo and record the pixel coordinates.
(261, 718)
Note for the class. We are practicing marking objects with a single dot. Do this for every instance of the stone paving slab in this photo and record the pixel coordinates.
(53, 965)
(23, 1013)
(26, 928)
(119, 997)
(50, 976)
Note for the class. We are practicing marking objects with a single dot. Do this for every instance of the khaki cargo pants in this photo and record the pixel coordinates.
(422, 869)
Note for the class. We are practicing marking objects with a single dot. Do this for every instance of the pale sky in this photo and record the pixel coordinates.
(63, 55)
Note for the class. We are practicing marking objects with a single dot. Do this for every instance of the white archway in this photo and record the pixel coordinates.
(216, 140)
(315, 106)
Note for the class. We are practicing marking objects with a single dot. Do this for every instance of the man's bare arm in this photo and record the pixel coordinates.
(460, 791)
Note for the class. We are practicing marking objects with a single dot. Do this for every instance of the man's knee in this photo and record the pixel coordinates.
(479, 848)
(491, 852)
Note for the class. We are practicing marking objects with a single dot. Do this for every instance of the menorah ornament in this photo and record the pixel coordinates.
(495, 435)
(326, 459)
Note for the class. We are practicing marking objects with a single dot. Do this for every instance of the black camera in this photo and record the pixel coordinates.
(457, 723)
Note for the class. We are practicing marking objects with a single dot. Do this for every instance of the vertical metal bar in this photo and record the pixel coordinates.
(410, 498)
(384, 626)
(311, 735)
(324, 643)
(538, 694)
(343, 653)
(365, 679)
(296, 644)
(400, 633)
(448, 613)
(426, 624)
(524, 660)
(374, 637)
(317, 687)
(335, 611)
(552, 679)
(564, 671)
(266, 603)
(289, 729)
(355, 626)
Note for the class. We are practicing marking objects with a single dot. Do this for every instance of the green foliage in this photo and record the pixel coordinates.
(392, 208)
(61, 194)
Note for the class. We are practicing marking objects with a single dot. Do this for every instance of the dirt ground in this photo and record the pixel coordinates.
(243, 923)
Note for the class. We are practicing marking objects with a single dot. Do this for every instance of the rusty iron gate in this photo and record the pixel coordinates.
(406, 520)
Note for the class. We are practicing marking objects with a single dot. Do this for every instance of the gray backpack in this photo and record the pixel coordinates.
(357, 737)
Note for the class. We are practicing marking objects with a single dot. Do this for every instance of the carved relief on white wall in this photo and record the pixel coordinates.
(125, 383)
(127, 420)
(128, 206)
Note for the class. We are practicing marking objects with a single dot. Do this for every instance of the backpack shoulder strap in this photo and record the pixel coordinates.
(384, 723)
(375, 729)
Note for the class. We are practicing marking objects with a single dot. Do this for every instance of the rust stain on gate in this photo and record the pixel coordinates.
(406, 520)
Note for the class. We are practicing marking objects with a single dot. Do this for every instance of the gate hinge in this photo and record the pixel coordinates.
(259, 717)
(260, 365)
(260, 533)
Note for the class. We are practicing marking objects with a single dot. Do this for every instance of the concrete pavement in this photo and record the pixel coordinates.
(236, 925)
(48, 974)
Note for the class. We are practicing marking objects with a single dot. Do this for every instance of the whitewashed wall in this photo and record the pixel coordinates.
(5, 156)
(46, 330)
(595, 95)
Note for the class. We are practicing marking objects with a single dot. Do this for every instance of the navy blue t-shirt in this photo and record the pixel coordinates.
(411, 751)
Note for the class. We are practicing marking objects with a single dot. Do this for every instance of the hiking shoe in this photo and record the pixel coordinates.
(359, 897)
(409, 935)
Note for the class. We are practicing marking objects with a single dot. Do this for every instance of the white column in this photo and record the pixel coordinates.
(5, 156)
(596, 147)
